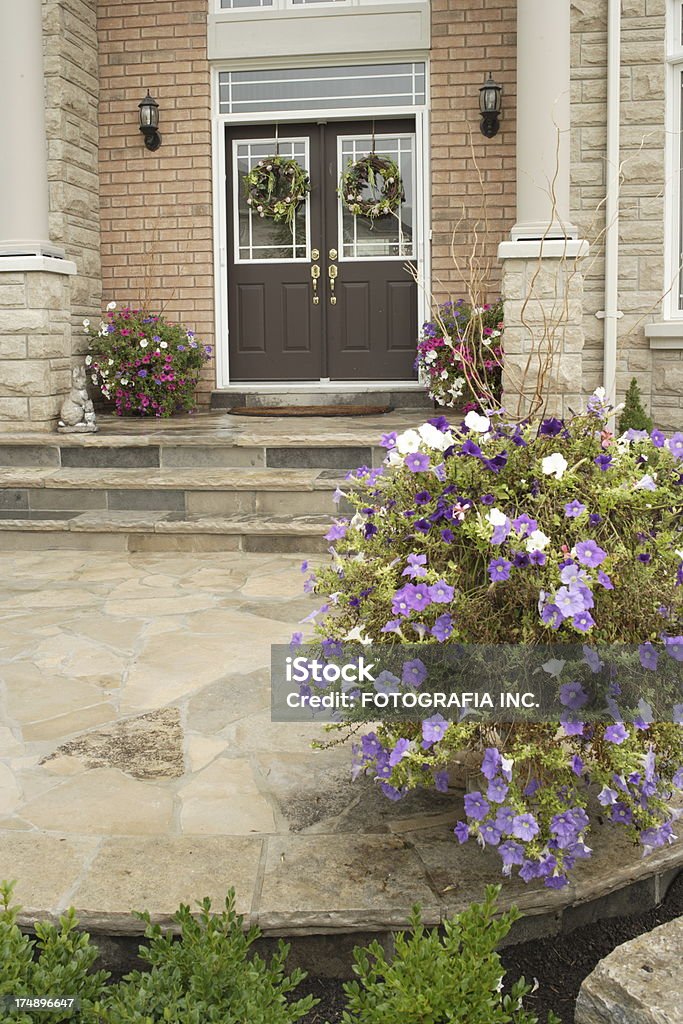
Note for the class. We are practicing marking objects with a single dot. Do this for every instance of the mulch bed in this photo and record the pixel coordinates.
(560, 963)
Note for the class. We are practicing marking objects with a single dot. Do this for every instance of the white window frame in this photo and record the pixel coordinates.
(673, 205)
(422, 195)
(240, 260)
(310, 7)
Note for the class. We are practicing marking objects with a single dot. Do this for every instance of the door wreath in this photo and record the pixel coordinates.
(275, 187)
(362, 175)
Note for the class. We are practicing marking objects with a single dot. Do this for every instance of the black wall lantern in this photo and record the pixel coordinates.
(149, 122)
(490, 106)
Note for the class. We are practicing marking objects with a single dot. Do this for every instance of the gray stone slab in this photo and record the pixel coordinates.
(13, 499)
(157, 874)
(318, 882)
(100, 457)
(638, 983)
(284, 545)
(318, 458)
(45, 867)
(210, 456)
(40, 515)
(66, 498)
(29, 455)
(146, 500)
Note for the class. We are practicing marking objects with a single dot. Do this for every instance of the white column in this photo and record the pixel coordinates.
(543, 119)
(23, 165)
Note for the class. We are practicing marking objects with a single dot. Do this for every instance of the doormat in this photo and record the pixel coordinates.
(311, 410)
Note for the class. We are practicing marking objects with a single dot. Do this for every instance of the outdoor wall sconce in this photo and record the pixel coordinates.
(490, 106)
(149, 122)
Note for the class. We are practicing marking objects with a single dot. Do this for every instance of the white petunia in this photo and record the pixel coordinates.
(88, 360)
(111, 362)
(111, 305)
(480, 424)
(554, 465)
(408, 442)
(143, 343)
(163, 344)
(435, 438)
(86, 323)
(124, 380)
(537, 541)
(496, 517)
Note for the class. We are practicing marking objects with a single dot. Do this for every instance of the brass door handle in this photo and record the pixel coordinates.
(332, 272)
(315, 274)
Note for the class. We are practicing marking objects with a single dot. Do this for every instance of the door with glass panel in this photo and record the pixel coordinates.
(332, 296)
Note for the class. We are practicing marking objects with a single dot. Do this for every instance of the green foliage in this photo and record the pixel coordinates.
(56, 964)
(207, 974)
(450, 978)
(634, 416)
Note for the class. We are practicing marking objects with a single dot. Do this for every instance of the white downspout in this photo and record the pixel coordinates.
(611, 312)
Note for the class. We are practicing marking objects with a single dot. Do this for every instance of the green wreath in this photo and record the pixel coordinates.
(275, 187)
(361, 176)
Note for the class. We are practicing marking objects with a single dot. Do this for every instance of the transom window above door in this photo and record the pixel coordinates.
(236, 5)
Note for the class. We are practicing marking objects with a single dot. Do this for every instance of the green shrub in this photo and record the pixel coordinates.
(207, 974)
(634, 416)
(453, 978)
(62, 966)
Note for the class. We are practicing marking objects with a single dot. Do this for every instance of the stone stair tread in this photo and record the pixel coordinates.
(181, 478)
(313, 525)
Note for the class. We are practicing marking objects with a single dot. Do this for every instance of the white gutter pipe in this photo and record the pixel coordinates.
(611, 313)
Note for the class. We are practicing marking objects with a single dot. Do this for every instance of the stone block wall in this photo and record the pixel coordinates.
(156, 208)
(72, 89)
(35, 348)
(469, 39)
(641, 228)
(544, 335)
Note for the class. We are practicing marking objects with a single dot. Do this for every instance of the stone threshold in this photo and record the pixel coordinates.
(229, 478)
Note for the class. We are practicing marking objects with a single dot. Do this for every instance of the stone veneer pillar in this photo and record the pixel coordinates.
(35, 292)
(542, 283)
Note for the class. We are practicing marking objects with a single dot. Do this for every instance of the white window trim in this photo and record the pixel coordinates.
(422, 204)
(310, 7)
(673, 209)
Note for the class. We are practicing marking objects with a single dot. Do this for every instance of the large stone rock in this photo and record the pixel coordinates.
(638, 983)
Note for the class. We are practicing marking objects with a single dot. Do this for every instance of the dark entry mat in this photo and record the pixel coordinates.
(311, 410)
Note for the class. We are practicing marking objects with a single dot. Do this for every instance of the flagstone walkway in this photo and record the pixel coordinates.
(139, 766)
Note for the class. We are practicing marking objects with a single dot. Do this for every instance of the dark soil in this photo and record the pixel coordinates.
(560, 963)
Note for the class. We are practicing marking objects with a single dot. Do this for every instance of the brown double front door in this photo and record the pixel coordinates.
(330, 297)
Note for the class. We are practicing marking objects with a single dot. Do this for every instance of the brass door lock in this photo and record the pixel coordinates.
(315, 274)
(332, 272)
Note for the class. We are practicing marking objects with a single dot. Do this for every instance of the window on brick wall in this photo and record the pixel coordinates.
(674, 197)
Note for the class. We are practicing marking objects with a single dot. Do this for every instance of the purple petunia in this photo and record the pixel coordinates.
(616, 733)
(574, 508)
(525, 826)
(648, 655)
(414, 672)
(441, 592)
(401, 750)
(583, 621)
(337, 531)
(569, 600)
(590, 554)
(497, 791)
(490, 833)
(499, 569)
(491, 762)
(550, 427)
(476, 806)
(433, 729)
(603, 462)
(442, 628)
(573, 695)
(676, 445)
(416, 462)
(604, 580)
(462, 832)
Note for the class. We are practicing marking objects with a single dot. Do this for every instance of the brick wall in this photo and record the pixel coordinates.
(641, 264)
(469, 39)
(156, 207)
(72, 87)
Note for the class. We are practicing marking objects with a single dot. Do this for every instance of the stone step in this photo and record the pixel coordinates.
(189, 491)
(401, 398)
(148, 531)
